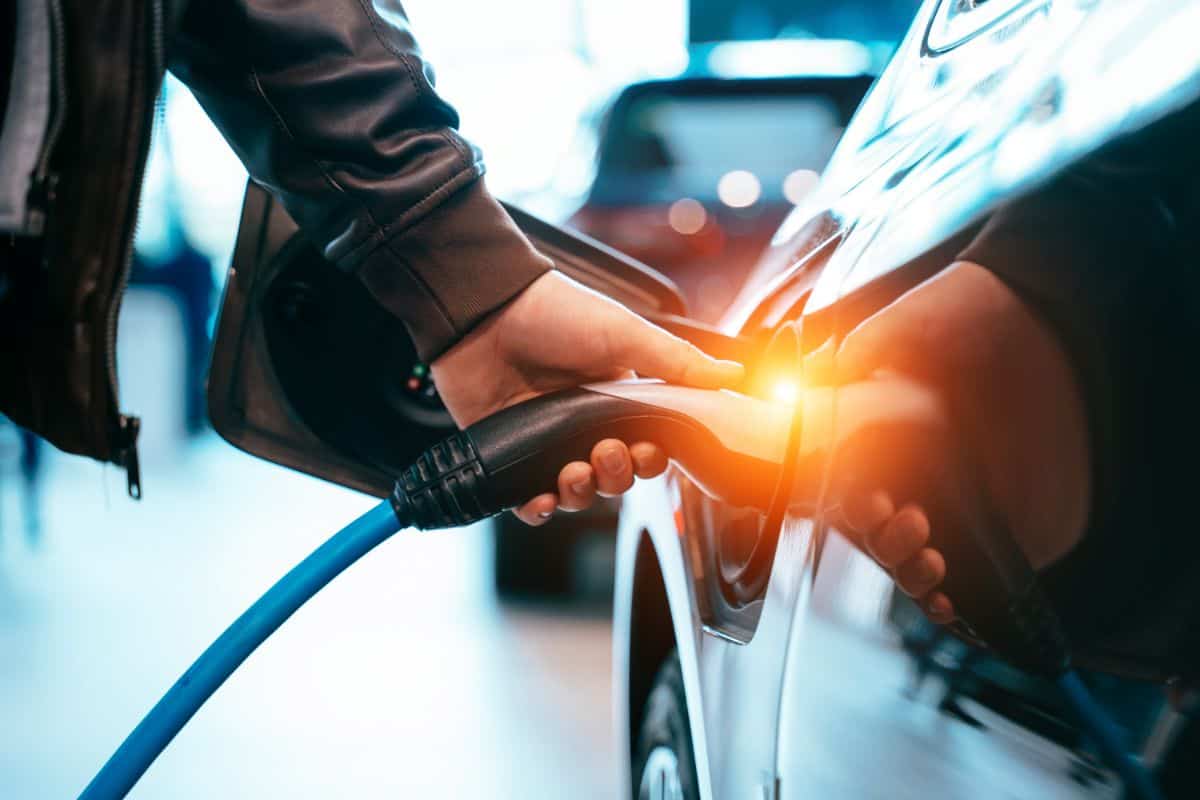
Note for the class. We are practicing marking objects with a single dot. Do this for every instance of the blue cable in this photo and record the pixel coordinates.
(1108, 739)
(205, 676)
(252, 628)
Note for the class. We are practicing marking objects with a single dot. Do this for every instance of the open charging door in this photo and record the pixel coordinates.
(309, 372)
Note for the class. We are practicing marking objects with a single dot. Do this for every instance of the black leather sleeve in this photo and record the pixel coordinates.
(331, 107)
(1105, 253)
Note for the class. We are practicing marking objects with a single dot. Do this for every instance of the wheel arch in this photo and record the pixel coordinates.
(651, 633)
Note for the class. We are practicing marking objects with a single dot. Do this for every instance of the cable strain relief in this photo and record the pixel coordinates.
(444, 487)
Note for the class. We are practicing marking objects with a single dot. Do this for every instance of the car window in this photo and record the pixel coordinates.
(710, 147)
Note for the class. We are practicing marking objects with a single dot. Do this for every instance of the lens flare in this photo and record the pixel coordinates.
(786, 391)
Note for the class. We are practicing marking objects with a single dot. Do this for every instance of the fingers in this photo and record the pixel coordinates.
(939, 608)
(919, 575)
(897, 541)
(649, 460)
(959, 317)
(892, 337)
(576, 486)
(613, 466)
(651, 351)
(864, 511)
(538, 510)
(900, 539)
(898, 336)
(611, 472)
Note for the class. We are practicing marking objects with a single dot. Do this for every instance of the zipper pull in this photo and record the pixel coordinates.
(127, 455)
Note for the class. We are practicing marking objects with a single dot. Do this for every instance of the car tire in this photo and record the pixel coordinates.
(534, 561)
(665, 763)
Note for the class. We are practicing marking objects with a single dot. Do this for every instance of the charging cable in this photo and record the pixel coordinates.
(501, 461)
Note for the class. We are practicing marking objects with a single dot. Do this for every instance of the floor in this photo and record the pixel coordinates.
(405, 677)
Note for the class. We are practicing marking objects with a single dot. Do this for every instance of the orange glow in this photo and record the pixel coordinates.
(785, 390)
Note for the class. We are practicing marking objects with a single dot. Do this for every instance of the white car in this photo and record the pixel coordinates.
(760, 658)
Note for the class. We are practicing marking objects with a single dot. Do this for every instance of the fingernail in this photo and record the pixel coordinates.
(581, 487)
(925, 571)
(545, 514)
(614, 460)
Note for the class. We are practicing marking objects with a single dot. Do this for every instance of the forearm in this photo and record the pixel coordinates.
(1082, 253)
(330, 105)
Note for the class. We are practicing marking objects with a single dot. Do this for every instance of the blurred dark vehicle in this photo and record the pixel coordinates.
(695, 174)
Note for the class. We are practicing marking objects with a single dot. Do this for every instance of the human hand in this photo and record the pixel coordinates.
(555, 335)
(1013, 399)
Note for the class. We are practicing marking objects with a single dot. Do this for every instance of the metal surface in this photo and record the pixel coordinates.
(947, 134)
(981, 102)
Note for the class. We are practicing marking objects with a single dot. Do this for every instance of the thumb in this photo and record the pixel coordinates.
(898, 336)
(650, 351)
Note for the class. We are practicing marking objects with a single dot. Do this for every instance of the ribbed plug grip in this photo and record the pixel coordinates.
(442, 488)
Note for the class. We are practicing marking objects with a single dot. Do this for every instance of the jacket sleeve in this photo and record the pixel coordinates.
(331, 107)
(1097, 251)
(1106, 253)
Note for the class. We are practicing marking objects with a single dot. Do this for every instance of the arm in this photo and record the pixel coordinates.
(330, 105)
(1042, 340)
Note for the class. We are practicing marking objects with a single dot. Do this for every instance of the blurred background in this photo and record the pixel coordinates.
(445, 666)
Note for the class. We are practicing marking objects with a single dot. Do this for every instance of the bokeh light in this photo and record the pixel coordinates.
(798, 184)
(739, 188)
(687, 216)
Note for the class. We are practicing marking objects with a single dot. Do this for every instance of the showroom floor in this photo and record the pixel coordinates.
(404, 678)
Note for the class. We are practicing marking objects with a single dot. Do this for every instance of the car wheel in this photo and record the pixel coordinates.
(665, 767)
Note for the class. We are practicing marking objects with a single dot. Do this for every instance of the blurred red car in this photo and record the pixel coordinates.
(695, 174)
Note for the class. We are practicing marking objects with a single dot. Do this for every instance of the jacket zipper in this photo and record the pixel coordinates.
(44, 183)
(127, 427)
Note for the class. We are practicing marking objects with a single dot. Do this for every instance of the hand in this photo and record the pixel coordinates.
(1013, 398)
(555, 335)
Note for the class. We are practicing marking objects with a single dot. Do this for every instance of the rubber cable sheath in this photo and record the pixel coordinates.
(205, 676)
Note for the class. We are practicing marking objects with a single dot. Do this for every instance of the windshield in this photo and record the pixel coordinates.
(665, 147)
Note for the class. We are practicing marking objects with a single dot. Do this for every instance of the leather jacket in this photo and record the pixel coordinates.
(330, 106)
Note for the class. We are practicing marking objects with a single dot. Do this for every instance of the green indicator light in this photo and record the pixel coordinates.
(419, 370)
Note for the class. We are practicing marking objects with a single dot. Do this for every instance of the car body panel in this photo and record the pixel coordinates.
(942, 138)
(849, 725)
(732, 688)
(967, 114)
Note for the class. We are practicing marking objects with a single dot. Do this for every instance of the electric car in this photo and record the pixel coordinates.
(762, 655)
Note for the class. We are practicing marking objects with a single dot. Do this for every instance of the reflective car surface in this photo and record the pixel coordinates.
(761, 658)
